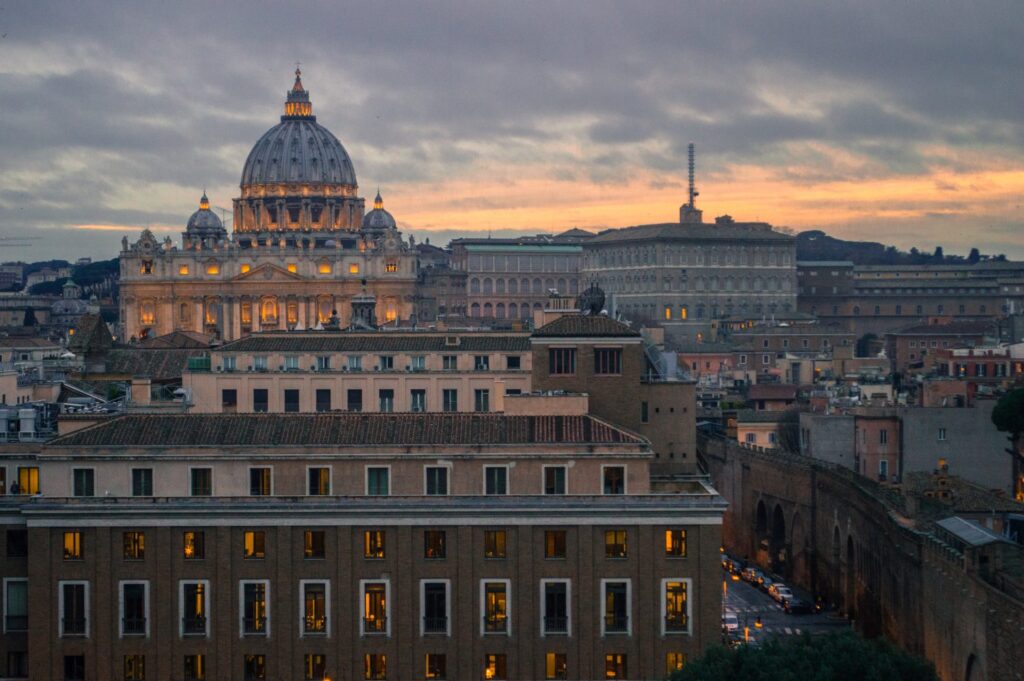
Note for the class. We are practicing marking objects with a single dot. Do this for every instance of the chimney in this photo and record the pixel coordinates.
(141, 394)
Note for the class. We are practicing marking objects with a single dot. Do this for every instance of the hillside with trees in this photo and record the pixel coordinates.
(817, 245)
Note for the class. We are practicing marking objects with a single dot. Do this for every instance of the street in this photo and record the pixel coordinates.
(748, 603)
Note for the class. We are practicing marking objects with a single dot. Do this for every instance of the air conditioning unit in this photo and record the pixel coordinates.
(280, 367)
(344, 368)
(376, 368)
(249, 368)
(312, 368)
(218, 368)
(408, 368)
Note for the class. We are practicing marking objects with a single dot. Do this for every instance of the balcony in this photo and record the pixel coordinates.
(435, 625)
(676, 622)
(375, 625)
(556, 624)
(194, 626)
(616, 624)
(254, 626)
(495, 624)
(313, 624)
(133, 626)
(73, 626)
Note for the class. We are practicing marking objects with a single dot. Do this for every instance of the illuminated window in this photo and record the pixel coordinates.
(434, 544)
(254, 544)
(615, 544)
(147, 312)
(495, 604)
(668, 312)
(195, 605)
(555, 666)
(615, 666)
(616, 607)
(390, 314)
(436, 666)
(260, 482)
(674, 662)
(315, 667)
(293, 312)
(495, 666)
(268, 311)
(255, 613)
(254, 667)
(353, 268)
(319, 481)
(373, 544)
(134, 545)
(682, 312)
(246, 313)
(375, 666)
(324, 268)
(245, 268)
(182, 269)
(494, 543)
(213, 268)
(134, 667)
(73, 546)
(194, 545)
(313, 542)
(195, 668)
(674, 609)
(28, 480)
(146, 267)
(314, 607)
(554, 543)
(391, 267)
(375, 605)
(675, 543)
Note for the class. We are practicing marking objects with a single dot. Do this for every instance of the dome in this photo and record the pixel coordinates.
(298, 149)
(204, 222)
(378, 218)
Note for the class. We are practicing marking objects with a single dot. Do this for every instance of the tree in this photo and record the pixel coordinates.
(939, 255)
(974, 256)
(837, 657)
(1008, 417)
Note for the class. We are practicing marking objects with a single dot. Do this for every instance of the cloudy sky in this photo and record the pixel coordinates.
(889, 121)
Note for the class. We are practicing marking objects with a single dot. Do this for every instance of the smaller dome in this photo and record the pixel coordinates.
(378, 218)
(204, 222)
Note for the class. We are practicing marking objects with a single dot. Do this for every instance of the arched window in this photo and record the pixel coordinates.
(474, 310)
(499, 310)
(563, 286)
(513, 309)
(513, 286)
(324, 307)
(548, 285)
(268, 310)
(538, 287)
(488, 310)
(488, 285)
(292, 312)
(474, 285)
(683, 312)
(524, 310)
(184, 313)
(147, 312)
(524, 285)
(499, 285)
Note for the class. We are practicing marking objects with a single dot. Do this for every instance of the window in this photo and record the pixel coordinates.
(314, 665)
(319, 481)
(436, 480)
(355, 400)
(554, 479)
(554, 543)
(450, 399)
(323, 399)
(194, 545)
(201, 482)
(674, 606)
(134, 668)
(418, 400)
(495, 666)
(436, 604)
(373, 544)
(608, 361)
(482, 400)
(314, 612)
(377, 481)
(355, 363)
(883, 436)
(254, 544)
(74, 668)
(555, 666)
(314, 544)
(254, 668)
(883, 469)
(291, 401)
(28, 480)
(554, 606)
(323, 363)
(134, 545)
(615, 666)
(73, 546)
(481, 363)
(260, 482)
(494, 601)
(83, 482)
(15, 604)
(17, 543)
(74, 608)
(387, 400)
(942, 434)
(418, 363)
(675, 543)
(195, 668)
(254, 608)
(135, 608)
(494, 543)
(375, 666)
(674, 662)
(195, 605)
(561, 361)
(615, 544)
(434, 544)
(260, 400)
(772, 438)
(450, 362)
(17, 664)
(386, 362)
(616, 607)
(513, 362)
(668, 312)
(436, 666)
(495, 479)
(374, 605)
(614, 479)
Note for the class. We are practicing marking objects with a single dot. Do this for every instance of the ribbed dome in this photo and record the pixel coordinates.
(204, 222)
(378, 218)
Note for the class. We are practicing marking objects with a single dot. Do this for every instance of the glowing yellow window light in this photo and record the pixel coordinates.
(325, 268)
(682, 313)
(182, 269)
(668, 312)
(291, 267)
(213, 268)
(391, 267)
(353, 268)
(245, 268)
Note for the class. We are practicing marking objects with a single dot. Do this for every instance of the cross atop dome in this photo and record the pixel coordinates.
(298, 78)
(297, 104)
(204, 203)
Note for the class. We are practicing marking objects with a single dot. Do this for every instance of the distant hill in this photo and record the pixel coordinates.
(817, 245)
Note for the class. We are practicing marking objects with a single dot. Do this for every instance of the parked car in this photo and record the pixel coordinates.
(766, 583)
(730, 623)
(749, 574)
(779, 592)
(795, 606)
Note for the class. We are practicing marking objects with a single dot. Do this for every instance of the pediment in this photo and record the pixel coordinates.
(268, 272)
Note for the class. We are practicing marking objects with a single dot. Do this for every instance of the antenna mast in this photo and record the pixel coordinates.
(693, 186)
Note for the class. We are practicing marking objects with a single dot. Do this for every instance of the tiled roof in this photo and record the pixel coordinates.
(341, 429)
(585, 326)
(27, 342)
(178, 340)
(751, 416)
(771, 391)
(325, 341)
(91, 335)
(160, 365)
(675, 230)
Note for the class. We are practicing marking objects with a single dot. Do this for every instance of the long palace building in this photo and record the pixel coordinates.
(301, 250)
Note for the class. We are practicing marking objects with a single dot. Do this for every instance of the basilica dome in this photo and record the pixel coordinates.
(204, 223)
(378, 219)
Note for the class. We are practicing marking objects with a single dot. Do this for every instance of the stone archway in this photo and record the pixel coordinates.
(973, 671)
(778, 550)
(850, 593)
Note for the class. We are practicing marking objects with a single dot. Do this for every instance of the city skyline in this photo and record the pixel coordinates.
(871, 125)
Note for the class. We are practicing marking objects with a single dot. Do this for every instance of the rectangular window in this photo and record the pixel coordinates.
(28, 480)
(254, 668)
(291, 400)
(481, 362)
(883, 469)
(675, 543)
(674, 606)
(195, 668)
(373, 544)
(494, 599)
(942, 434)
(554, 479)
(561, 361)
(260, 400)
(375, 666)
(513, 362)
(15, 604)
(674, 662)
(142, 482)
(74, 665)
(314, 544)
(194, 607)
(386, 362)
(319, 481)
(418, 363)
(229, 400)
(554, 543)
(555, 666)
(314, 607)
(201, 482)
(375, 604)
(314, 665)
(450, 362)
(134, 545)
(436, 480)
(134, 609)
(883, 436)
(230, 363)
(355, 363)
(74, 608)
(260, 482)
(494, 543)
(254, 544)
(377, 481)
(555, 606)
(84, 483)
(481, 400)
(615, 666)
(255, 608)
(450, 397)
(134, 668)
(354, 400)
(614, 479)
(435, 607)
(436, 666)
(387, 400)
(323, 399)
(615, 544)
(495, 666)
(418, 400)
(194, 545)
(17, 543)
(495, 479)
(73, 549)
(616, 607)
(608, 361)
(434, 544)
(323, 363)
(644, 413)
